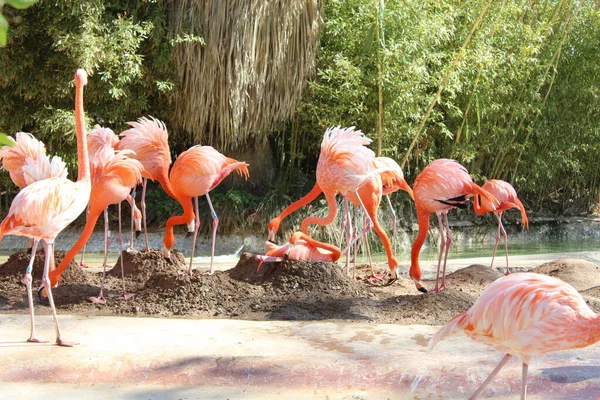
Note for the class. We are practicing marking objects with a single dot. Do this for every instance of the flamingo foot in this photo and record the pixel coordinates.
(65, 343)
(36, 340)
(126, 296)
(507, 273)
(107, 266)
(209, 272)
(83, 265)
(377, 277)
(98, 300)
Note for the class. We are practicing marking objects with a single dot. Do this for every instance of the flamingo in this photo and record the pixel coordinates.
(507, 196)
(444, 184)
(98, 139)
(525, 315)
(345, 166)
(195, 172)
(113, 174)
(300, 247)
(148, 138)
(44, 208)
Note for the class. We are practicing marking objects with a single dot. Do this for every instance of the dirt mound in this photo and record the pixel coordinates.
(580, 274)
(432, 308)
(293, 275)
(472, 279)
(17, 264)
(139, 266)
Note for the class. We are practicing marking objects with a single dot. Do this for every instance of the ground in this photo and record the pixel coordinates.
(291, 290)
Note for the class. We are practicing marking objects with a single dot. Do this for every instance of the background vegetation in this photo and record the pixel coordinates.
(509, 89)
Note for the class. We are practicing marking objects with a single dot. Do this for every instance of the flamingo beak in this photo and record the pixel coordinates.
(137, 234)
(188, 234)
(271, 236)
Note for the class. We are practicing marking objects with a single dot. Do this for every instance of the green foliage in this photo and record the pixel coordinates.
(17, 4)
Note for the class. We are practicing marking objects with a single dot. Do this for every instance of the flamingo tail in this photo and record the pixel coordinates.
(453, 328)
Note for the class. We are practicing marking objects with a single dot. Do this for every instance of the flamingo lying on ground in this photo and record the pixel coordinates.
(300, 247)
(507, 196)
(525, 315)
(148, 138)
(113, 175)
(44, 208)
(346, 166)
(442, 185)
(196, 172)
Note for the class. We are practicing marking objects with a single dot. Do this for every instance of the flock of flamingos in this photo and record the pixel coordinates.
(524, 314)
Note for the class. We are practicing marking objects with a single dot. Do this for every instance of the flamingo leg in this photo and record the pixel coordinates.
(125, 295)
(394, 228)
(505, 243)
(195, 235)
(442, 245)
(131, 201)
(490, 377)
(27, 280)
(448, 242)
(145, 182)
(524, 381)
(367, 227)
(356, 244)
(82, 264)
(342, 229)
(215, 224)
(349, 235)
(497, 241)
(48, 249)
(100, 298)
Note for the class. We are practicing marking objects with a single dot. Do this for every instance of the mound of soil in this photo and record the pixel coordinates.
(472, 279)
(17, 264)
(580, 274)
(140, 266)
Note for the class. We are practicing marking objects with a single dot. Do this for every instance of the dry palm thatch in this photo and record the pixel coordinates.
(249, 72)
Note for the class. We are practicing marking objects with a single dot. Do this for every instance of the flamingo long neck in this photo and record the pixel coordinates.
(477, 205)
(165, 182)
(88, 229)
(415, 269)
(304, 200)
(83, 161)
(187, 216)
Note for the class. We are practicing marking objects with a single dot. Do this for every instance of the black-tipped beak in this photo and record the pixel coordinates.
(137, 234)
(169, 260)
(390, 281)
(188, 234)
(422, 289)
(43, 300)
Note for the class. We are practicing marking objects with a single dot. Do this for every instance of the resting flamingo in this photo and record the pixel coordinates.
(44, 208)
(113, 174)
(300, 247)
(525, 315)
(345, 166)
(444, 184)
(101, 138)
(195, 172)
(507, 196)
(148, 138)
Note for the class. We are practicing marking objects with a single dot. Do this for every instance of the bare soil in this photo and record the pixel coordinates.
(292, 290)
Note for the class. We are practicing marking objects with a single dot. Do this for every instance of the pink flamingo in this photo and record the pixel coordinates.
(113, 175)
(99, 139)
(525, 315)
(348, 167)
(300, 247)
(44, 208)
(442, 185)
(507, 196)
(195, 172)
(148, 138)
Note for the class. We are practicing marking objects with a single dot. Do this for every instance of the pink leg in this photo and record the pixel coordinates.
(215, 224)
(394, 223)
(442, 245)
(27, 279)
(145, 182)
(349, 234)
(448, 242)
(100, 298)
(497, 241)
(490, 377)
(82, 264)
(125, 295)
(368, 226)
(131, 201)
(524, 381)
(195, 235)
(507, 272)
(48, 249)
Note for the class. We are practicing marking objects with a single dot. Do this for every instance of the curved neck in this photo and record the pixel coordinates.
(415, 269)
(304, 200)
(88, 229)
(187, 216)
(82, 152)
(477, 205)
(335, 251)
(165, 182)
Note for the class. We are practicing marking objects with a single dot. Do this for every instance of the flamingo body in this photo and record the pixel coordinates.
(301, 247)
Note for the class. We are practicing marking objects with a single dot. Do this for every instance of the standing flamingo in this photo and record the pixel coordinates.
(444, 184)
(348, 167)
(300, 247)
(113, 174)
(195, 172)
(525, 315)
(507, 196)
(44, 208)
(148, 138)
(100, 139)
